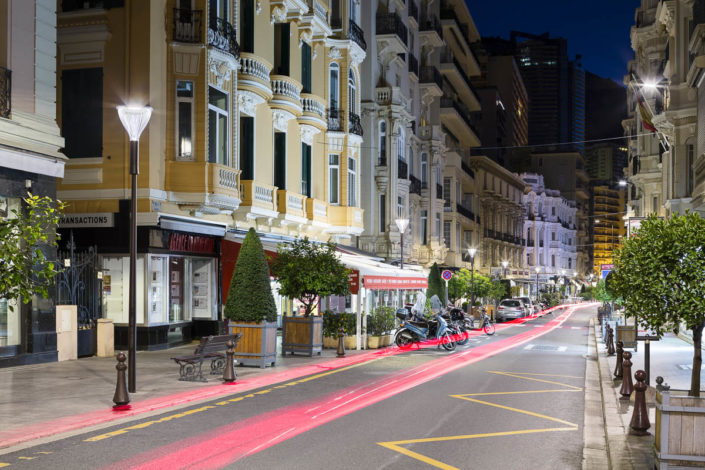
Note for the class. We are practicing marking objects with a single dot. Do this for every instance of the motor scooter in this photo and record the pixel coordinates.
(415, 329)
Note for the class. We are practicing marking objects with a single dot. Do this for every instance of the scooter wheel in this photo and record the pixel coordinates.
(489, 328)
(403, 340)
(447, 343)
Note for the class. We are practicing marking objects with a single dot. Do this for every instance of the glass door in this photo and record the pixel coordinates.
(176, 290)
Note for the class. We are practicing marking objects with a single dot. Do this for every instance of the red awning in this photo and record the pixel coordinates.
(394, 282)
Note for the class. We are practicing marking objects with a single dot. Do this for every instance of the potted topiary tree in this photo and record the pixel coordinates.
(436, 285)
(659, 273)
(307, 271)
(250, 305)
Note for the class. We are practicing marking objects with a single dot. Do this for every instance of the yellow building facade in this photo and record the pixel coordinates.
(608, 224)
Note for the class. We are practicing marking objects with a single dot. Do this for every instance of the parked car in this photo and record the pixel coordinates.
(510, 309)
(531, 307)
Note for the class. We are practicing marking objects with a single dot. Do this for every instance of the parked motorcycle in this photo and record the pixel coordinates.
(486, 324)
(414, 328)
(455, 317)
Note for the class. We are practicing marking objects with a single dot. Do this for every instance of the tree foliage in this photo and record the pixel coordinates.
(601, 293)
(250, 296)
(308, 271)
(660, 274)
(436, 285)
(24, 269)
(483, 286)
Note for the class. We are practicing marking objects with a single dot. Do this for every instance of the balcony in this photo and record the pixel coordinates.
(5, 92)
(468, 171)
(315, 21)
(209, 187)
(317, 211)
(431, 31)
(356, 34)
(336, 119)
(253, 76)
(314, 111)
(455, 116)
(221, 35)
(258, 200)
(345, 220)
(414, 10)
(439, 191)
(386, 96)
(354, 125)
(391, 33)
(187, 25)
(286, 94)
(415, 186)
(413, 64)
(402, 169)
(430, 78)
(291, 206)
(465, 212)
(453, 71)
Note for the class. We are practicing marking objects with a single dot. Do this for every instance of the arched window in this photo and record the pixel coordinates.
(382, 143)
(334, 86)
(352, 93)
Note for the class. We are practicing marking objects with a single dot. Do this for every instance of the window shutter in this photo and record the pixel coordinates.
(247, 148)
(306, 68)
(280, 160)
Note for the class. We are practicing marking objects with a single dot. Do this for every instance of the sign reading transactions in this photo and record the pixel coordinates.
(96, 219)
(393, 282)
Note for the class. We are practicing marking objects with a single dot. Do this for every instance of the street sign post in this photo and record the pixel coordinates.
(447, 275)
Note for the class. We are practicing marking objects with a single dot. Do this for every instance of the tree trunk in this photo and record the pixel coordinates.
(697, 361)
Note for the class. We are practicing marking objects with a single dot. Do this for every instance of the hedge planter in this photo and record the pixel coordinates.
(258, 344)
(376, 342)
(302, 335)
(331, 342)
(679, 431)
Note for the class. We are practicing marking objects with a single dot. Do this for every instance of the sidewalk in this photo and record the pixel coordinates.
(671, 358)
(45, 399)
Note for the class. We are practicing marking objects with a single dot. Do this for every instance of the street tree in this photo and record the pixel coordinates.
(660, 274)
(482, 286)
(308, 271)
(24, 269)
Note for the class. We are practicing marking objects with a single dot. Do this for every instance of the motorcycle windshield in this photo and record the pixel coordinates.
(419, 305)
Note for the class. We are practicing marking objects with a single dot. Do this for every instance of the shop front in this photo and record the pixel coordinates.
(177, 279)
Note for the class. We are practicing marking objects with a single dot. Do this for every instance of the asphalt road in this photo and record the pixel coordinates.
(514, 400)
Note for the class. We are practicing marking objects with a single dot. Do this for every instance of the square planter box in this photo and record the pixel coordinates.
(302, 335)
(331, 342)
(376, 342)
(679, 431)
(258, 344)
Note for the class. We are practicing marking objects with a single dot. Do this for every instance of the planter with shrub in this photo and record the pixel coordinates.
(331, 322)
(380, 324)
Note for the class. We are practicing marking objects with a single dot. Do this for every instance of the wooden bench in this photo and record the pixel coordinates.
(210, 347)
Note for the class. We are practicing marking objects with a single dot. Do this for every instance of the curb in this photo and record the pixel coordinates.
(595, 446)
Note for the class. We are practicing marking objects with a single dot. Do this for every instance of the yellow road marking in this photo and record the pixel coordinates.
(221, 403)
(25, 458)
(546, 375)
(3, 464)
(396, 445)
(44, 453)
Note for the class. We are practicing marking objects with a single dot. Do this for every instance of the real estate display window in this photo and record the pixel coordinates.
(217, 126)
(184, 120)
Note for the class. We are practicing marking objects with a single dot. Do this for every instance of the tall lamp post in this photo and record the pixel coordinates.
(505, 263)
(472, 252)
(134, 119)
(401, 225)
(538, 269)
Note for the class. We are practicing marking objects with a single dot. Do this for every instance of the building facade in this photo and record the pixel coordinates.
(607, 223)
(30, 158)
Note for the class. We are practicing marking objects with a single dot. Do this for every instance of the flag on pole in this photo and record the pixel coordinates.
(644, 112)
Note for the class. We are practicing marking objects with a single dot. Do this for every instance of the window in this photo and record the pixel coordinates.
(553, 211)
(424, 169)
(438, 228)
(184, 117)
(690, 171)
(247, 148)
(217, 126)
(411, 162)
(352, 187)
(334, 179)
(400, 207)
(281, 49)
(305, 68)
(424, 227)
(306, 170)
(382, 213)
(280, 160)
(400, 146)
(446, 233)
(352, 93)
(218, 9)
(82, 112)
(467, 238)
(570, 263)
(553, 236)
(247, 25)
(382, 143)
(354, 4)
(655, 204)
(528, 259)
(457, 237)
(553, 260)
(446, 191)
(333, 86)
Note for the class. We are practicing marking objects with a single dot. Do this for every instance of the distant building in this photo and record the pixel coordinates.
(607, 224)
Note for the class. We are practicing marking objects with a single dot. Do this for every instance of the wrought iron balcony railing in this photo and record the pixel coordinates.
(356, 34)
(415, 186)
(462, 210)
(354, 125)
(431, 23)
(390, 23)
(402, 169)
(414, 10)
(5, 92)
(467, 169)
(221, 35)
(430, 74)
(335, 120)
(413, 63)
(439, 191)
(187, 25)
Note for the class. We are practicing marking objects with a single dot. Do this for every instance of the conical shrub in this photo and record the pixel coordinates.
(250, 296)
(435, 284)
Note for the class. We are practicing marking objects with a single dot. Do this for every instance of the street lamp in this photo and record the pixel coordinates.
(134, 119)
(505, 263)
(538, 269)
(472, 252)
(401, 225)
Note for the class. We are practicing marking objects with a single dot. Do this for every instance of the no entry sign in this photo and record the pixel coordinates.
(446, 274)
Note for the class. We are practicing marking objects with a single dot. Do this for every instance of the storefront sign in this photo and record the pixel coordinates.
(191, 243)
(390, 282)
(354, 281)
(98, 219)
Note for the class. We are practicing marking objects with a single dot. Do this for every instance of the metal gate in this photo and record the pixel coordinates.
(80, 284)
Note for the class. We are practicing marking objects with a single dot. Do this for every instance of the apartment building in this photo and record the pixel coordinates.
(607, 222)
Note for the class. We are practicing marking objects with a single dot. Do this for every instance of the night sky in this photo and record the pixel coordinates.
(597, 29)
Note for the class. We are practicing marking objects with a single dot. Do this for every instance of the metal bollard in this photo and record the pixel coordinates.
(229, 375)
(121, 397)
(341, 344)
(640, 417)
(627, 385)
(620, 358)
(661, 386)
(610, 341)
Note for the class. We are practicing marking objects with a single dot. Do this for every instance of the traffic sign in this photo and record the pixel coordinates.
(446, 274)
